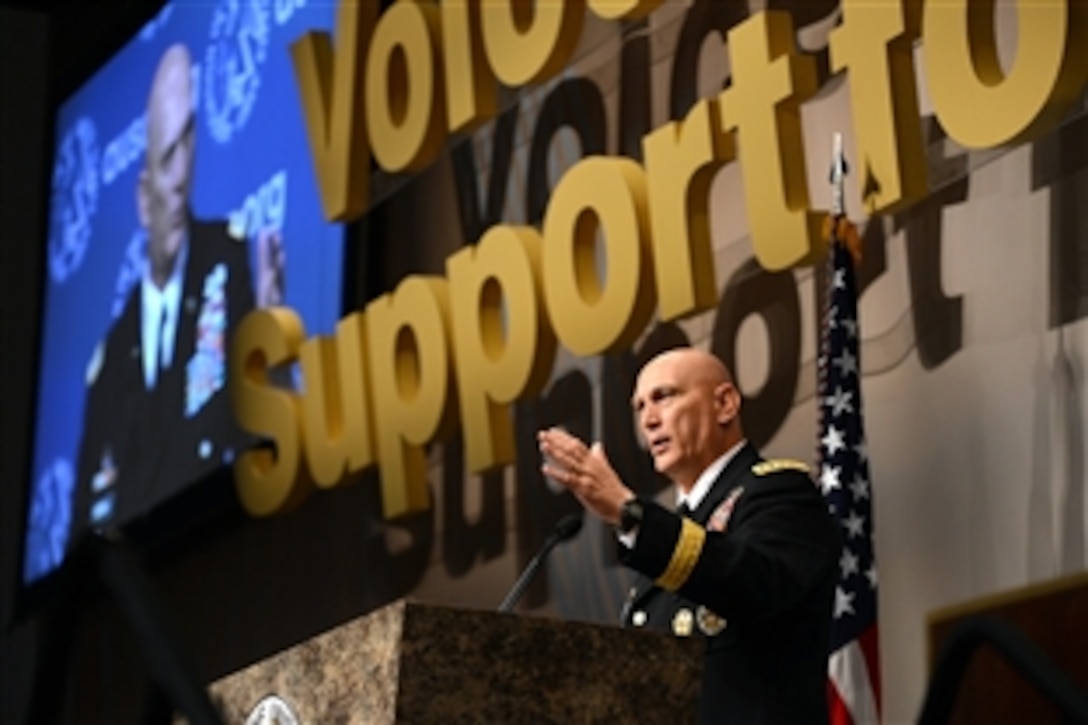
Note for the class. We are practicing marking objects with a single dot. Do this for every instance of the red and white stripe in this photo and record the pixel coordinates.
(853, 682)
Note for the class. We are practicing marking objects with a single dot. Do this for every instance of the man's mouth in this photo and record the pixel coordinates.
(659, 446)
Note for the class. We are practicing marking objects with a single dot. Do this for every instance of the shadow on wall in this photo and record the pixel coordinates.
(1056, 541)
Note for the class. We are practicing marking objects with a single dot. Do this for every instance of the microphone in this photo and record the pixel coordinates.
(567, 528)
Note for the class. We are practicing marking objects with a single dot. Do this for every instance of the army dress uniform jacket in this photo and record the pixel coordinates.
(159, 440)
(752, 571)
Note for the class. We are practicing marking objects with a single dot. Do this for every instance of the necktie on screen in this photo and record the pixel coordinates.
(162, 361)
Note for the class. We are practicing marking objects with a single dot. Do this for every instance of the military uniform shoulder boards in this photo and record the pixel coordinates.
(779, 464)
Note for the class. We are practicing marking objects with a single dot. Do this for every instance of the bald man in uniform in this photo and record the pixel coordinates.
(747, 563)
(157, 416)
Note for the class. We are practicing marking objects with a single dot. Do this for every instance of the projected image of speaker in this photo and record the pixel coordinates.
(183, 197)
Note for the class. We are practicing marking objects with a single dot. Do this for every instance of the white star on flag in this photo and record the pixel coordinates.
(840, 402)
(847, 363)
(860, 488)
(840, 279)
(849, 563)
(855, 525)
(844, 602)
(851, 327)
(833, 441)
(829, 479)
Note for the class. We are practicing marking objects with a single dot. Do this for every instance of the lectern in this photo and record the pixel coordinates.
(411, 662)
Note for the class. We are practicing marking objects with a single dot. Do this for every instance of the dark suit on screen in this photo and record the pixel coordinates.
(162, 439)
(760, 593)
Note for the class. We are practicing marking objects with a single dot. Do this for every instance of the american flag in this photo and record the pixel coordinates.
(854, 662)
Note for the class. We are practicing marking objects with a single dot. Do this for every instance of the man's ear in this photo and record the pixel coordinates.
(143, 201)
(728, 400)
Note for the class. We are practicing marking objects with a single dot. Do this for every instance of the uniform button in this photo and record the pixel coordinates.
(638, 618)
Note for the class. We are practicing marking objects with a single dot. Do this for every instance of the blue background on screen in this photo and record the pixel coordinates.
(252, 165)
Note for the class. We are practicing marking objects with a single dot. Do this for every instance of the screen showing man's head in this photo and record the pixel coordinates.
(155, 258)
(165, 179)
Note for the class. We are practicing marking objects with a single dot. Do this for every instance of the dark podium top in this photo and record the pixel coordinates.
(419, 663)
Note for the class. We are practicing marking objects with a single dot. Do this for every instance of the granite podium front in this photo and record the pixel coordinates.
(420, 663)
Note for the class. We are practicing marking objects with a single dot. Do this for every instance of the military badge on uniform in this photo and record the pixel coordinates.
(720, 517)
(206, 371)
(709, 623)
(683, 622)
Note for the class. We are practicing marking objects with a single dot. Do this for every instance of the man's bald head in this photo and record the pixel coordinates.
(172, 82)
(163, 194)
(688, 412)
(695, 363)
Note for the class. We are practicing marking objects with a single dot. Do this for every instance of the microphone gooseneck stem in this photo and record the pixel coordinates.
(527, 575)
(567, 528)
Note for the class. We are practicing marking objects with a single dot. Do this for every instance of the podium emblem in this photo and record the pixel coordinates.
(272, 710)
